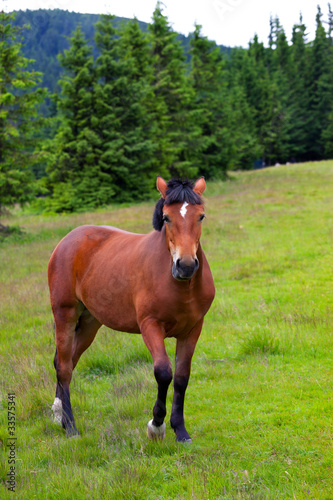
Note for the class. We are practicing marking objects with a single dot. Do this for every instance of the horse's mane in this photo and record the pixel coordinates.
(178, 191)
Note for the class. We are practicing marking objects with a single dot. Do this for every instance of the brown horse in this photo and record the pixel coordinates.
(157, 284)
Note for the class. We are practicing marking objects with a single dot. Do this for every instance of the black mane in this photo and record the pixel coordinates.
(178, 191)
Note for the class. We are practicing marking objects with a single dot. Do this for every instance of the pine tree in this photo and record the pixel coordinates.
(323, 101)
(73, 175)
(212, 104)
(177, 131)
(279, 71)
(299, 94)
(327, 133)
(253, 75)
(18, 116)
(108, 94)
(321, 90)
(137, 124)
(246, 147)
(123, 94)
(264, 99)
(221, 110)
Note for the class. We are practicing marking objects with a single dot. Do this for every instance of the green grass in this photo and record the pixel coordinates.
(259, 405)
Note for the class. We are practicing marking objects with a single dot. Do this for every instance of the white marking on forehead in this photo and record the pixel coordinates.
(183, 210)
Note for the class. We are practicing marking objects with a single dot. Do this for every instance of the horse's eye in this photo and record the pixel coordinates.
(166, 218)
(202, 216)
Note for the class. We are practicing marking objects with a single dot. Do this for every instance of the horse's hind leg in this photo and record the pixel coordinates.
(57, 405)
(65, 321)
(85, 333)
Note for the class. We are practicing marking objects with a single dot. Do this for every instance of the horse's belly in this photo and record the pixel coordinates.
(111, 305)
(121, 325)
(116, 316)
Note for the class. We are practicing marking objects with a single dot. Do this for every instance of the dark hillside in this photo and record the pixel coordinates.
(48, 33)
(47, 37)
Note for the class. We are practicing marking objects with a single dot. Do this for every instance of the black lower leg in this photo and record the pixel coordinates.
(177, 414)
(163, 377)
(58, 388)
(62, 392)
(68, 422)
(58, 391)
(55, 360)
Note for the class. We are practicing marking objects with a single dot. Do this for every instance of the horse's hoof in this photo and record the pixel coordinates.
(154, 432)
(182, 436)
(185, 440)
(72, 433)
(57, 411)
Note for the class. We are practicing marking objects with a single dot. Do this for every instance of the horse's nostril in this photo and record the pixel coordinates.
(187, 268)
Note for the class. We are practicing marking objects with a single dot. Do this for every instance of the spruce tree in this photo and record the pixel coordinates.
(108, 94)
(177, 130)
(321, 89)
(221, 110)
(123, 94)
(279, 72)
(264, 99)
(245, 144)
(327, 132)
(327, 135)
(73, 175)
(137, 124)
(19, 103)
(212, 105)
(299, 94)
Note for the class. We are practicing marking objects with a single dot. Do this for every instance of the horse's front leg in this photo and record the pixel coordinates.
(184, 352)
(153, 337)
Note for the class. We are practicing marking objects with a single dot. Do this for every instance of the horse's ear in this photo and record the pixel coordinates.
(200, 186)
(161, 186)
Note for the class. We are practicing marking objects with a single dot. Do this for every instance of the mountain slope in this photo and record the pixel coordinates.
(48, 36)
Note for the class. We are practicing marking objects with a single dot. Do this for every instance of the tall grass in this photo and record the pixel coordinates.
(260, 402)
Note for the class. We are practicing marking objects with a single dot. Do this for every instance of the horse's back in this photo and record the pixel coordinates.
(88, 238)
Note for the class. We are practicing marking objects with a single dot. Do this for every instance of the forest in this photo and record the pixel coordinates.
(120, 102)
(49, 35)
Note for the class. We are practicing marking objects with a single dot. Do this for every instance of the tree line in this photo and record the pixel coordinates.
(135, 105)
(49, 35)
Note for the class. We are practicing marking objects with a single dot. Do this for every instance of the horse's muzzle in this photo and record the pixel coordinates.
(183, 270)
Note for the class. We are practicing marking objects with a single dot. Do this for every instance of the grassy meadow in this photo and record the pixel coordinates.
(259, 406)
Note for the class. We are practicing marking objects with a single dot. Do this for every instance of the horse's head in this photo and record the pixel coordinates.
(181, 210)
